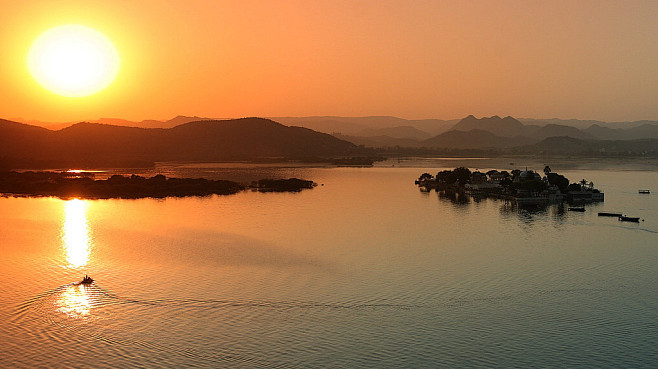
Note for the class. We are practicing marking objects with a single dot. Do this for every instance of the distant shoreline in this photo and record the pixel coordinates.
(79, 184)
(531, 161)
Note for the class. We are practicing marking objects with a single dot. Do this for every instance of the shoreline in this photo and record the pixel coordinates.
(77, 184)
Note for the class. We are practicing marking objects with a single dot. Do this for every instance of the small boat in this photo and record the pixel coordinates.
(644, 191)
(580, 209)
(629, 219)
(86, 280)
(604, 214)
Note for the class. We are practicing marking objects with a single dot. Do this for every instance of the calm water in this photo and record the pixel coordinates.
(365, 271)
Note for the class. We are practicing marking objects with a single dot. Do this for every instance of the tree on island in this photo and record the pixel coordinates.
(492, 172)
(506, 183)
(574, 187)
(463, 175)
(558, 180)
(446, 176)
(425, 176)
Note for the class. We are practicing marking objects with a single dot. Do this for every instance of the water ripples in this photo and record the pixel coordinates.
(77, 314)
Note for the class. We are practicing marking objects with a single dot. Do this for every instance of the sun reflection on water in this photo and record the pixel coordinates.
(75, 233)
(75, 302)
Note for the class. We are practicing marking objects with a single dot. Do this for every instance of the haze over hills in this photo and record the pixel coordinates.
(385, 130)
(472, 139)
(584, 124)
(148, 123)
(367, 126)
(573, 147)
(200, 139)
(101, 144)
(496, 132)
(507, 132)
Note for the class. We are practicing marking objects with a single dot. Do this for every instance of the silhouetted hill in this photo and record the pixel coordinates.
(604, 133)
(575, 146)
(21, 139)
(255, 138)
(406, 132)
(147, 123)
(94, 144)
(182, 119)
(505, 127)
(476, 138)
(557, 130)
(510, 127)
(379, 141)
(584, 124)
(356, 126)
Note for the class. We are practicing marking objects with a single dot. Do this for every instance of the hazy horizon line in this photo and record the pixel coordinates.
(35, 121)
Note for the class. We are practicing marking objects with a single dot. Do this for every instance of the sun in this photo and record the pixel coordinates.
(73, 60)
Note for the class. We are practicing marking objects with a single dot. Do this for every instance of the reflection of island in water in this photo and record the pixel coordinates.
(82, 185)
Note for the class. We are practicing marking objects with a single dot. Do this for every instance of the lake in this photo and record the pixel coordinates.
(363, 271)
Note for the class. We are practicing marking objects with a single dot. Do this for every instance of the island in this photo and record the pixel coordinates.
(83, 185)
(524, 187)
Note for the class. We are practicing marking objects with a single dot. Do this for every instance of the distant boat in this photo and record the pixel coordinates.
(644, 191)
(580, 209)
(604, 214)
(629, 219)
(86, 280)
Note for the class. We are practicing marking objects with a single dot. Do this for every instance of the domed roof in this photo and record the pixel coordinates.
(528, 175)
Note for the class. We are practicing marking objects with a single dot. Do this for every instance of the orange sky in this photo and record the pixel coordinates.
(412, 59)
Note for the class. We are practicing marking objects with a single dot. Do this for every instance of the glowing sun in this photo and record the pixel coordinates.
(73, 60)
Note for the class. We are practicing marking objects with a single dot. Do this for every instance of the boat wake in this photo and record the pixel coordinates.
(91, 318)
(76, 313)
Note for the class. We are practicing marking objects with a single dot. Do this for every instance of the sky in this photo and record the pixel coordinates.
(411, 59)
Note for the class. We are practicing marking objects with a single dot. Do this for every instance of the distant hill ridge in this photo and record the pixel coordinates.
(374, 132)
(212, 140)
(507, 126)
(497, 132)
(574, 146)
(388, 128)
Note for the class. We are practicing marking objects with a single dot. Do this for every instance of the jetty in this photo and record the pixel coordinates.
(606, 214)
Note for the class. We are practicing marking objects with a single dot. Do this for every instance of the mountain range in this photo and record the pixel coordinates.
(496, 132)
(95, 144)
(117, 142)
(382, 131)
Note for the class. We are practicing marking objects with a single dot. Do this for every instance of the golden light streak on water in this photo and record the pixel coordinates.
(75, 233)
(74, 302)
